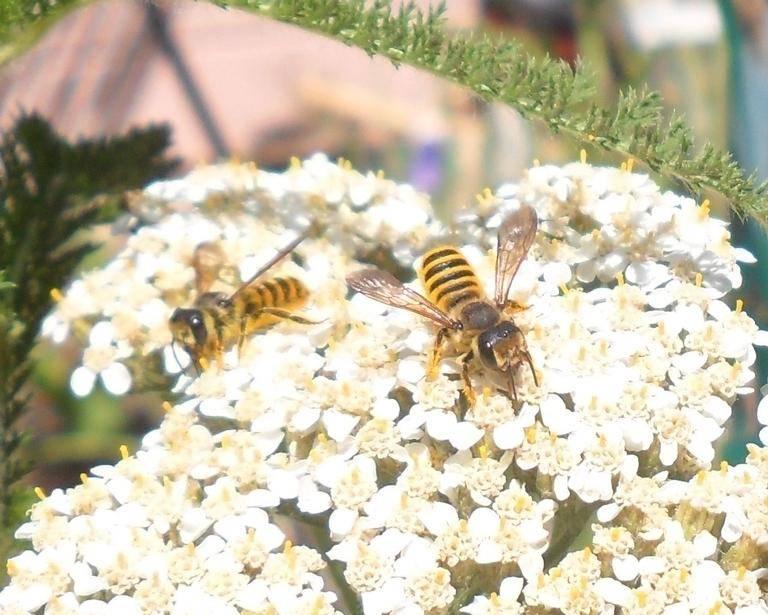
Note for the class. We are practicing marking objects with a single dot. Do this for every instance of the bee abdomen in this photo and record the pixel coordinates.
(278, 293)
(448, 279)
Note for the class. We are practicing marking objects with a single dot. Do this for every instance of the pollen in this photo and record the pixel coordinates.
(704, 210)
(620, 278)
(583, 156)
(485, 196)
(56, 295)
(166, 406)
(630, 164)
(84, 478)
(739, 305)
(124, 452)
(699, 280)
(39, 492)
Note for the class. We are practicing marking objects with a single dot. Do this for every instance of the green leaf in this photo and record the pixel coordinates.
(50, 191)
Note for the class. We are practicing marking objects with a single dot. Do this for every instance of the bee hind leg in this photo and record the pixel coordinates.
(469, 392)
(436, 353)
(286, 315)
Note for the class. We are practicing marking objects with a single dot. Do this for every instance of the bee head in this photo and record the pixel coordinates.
(498, 346)
(188, 328)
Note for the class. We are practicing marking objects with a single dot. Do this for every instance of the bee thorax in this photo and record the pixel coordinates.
(479, 315)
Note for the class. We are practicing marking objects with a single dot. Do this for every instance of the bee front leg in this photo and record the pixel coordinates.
(469, 392)
(241, 337)
(511, 387)
(435, 354)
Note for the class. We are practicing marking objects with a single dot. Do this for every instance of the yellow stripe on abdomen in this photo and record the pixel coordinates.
(448, 279)
(284, 293)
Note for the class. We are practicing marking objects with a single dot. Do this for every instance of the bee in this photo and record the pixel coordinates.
(217, 320)
(456, 302)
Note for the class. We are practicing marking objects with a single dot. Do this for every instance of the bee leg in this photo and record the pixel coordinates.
(434, 356)
(511, 387)
(241, 337)
(286, 315)
(527, 357)
(469, 392)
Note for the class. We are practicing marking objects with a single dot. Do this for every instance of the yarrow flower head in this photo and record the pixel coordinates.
(433, 496)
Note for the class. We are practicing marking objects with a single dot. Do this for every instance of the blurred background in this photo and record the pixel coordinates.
(232, 85)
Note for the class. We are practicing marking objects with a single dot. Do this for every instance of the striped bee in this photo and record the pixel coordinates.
(217, 321)
(456, 302)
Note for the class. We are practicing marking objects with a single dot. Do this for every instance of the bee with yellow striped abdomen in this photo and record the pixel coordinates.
(455, 300)
(218, 321)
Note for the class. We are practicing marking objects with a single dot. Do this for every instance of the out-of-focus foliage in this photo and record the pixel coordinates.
(48, 190)
(539, 88)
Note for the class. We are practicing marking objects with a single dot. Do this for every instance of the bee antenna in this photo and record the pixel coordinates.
(176, 357)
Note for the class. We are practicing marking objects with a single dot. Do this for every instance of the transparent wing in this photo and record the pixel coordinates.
(208, 261)
(272, 262)
(386, 288)
(515, 238)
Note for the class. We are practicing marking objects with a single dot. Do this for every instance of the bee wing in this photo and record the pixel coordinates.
(387, 289)
(515, 238)
(207, 261)
(271, 262)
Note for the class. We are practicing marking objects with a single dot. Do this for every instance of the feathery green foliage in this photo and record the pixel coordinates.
(22, 21)
(47, 194)
(539, 88)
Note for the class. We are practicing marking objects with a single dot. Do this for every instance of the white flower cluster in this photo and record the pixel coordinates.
(432, 504)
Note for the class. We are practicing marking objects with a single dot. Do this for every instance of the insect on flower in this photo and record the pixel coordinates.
(217, 321)
(455, 300)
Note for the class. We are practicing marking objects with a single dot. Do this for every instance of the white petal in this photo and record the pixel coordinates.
(556, 416)
(439, 517)
(556, 273)
(667, 451)
(762, 411)
(124, 605)
(117, 379)
(488, 552)
(651, 565)
(464, 435)
(531, 565)
(508, 436)
(441, 425)
(612, 591)
(101, 334)
(625, 568)
(705, 543)
(608, 512)
(193, 523)
(175, 359)
(341, 522)
(339, 424)
(387, 409)
(483, 523)
(284, 484)
(561, 487)
(510, 588)
(81, 381)
(733, 526)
